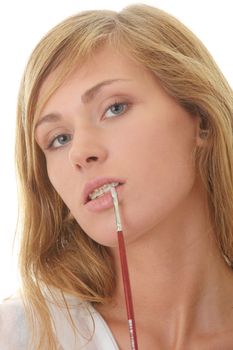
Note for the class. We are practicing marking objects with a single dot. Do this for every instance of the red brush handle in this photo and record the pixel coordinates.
(127, 290)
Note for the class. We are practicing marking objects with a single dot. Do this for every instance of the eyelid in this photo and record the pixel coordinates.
(117, 99)
(46, 140)
(126, 107)
(54, 138)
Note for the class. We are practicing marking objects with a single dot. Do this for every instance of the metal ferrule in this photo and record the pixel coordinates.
(116, 209)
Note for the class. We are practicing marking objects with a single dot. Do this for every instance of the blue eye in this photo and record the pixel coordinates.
(59, 141)
(117, 108)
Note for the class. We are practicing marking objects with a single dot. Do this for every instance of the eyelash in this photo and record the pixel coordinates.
(50, 146)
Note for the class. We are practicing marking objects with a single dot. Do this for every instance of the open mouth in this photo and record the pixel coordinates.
(101, 191)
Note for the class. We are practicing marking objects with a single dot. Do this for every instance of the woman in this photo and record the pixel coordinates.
(133, 99)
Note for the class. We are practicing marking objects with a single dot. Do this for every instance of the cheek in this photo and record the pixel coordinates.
(58, 177)
(161, 165)
(158, 143)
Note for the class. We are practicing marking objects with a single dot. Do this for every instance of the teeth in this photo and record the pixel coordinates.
(102, 190)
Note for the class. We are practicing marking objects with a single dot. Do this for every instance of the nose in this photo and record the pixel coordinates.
(86, 150)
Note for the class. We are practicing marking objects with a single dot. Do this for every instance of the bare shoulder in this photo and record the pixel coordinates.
(13, 324)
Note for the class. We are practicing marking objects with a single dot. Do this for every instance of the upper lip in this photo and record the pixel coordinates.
(98, 182)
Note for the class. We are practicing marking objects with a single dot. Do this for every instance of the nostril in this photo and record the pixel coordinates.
(89, 159)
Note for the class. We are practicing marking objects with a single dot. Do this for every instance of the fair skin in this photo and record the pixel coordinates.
(182, 288)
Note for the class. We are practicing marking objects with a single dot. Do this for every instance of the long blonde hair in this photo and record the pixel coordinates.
(55, 252)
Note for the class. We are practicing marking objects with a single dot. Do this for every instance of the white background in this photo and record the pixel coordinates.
(22, 24)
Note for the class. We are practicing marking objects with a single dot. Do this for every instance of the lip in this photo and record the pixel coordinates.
(103, 202)
(98, 182)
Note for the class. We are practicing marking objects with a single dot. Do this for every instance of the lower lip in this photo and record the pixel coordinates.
(103, 202)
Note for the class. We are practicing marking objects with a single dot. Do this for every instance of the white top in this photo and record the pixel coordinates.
(14, 334)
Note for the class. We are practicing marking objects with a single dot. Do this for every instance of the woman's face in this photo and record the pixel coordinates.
(130, 129)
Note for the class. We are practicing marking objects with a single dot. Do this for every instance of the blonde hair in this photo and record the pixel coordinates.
(188, 73)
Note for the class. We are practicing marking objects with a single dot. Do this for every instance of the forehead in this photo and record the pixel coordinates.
(106, 63)
(105, 68)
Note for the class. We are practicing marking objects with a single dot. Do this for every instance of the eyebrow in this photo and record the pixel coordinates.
(88, 95)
